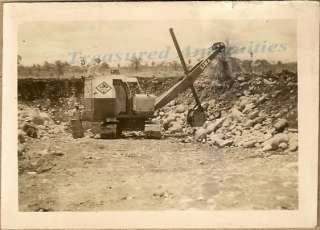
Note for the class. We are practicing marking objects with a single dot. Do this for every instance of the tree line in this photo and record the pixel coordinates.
(64, 69)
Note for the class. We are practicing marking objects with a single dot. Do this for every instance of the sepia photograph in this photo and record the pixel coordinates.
(168, 114)
(161, 115)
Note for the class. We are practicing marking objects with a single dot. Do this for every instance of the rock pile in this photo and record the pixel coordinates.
(252, 111)
(34, 123)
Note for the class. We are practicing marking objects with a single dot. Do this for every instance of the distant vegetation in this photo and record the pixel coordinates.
(60, 69)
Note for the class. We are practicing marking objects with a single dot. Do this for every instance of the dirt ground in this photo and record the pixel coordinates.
(143, 174)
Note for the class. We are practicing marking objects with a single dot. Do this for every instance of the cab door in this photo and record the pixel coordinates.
(121, 96)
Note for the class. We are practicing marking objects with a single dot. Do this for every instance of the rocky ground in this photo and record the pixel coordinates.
(243, 157)
(139, 174)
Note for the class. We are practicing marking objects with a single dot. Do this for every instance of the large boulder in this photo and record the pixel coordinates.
(200, 134)
(293, 142)
(21, 149)
(248, 108)
(167, 122)
(263, 98)
(176, 127)
(280, 125)
(172, 103)
(219, 141)
(259, 120)
(244, 100)
(283, 145)
(213, 126)
(253, 114)
(21, 136)
(180, 109)
(236, 115)
(30, 129)
(274, 142)
(248, 123)
(249, 144)
(39, 118)
(212, 103)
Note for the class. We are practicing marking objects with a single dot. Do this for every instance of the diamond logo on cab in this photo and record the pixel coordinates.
(103, 87)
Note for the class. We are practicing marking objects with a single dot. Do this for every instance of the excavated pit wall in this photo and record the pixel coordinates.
(34, 89)
(30, 89)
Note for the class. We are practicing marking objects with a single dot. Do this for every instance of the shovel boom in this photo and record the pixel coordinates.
(190, 76)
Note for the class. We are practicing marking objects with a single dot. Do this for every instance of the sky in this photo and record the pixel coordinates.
(118, 41)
